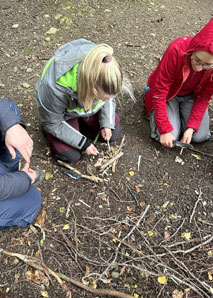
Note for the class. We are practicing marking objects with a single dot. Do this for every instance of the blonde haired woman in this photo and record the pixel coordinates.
(76, 97)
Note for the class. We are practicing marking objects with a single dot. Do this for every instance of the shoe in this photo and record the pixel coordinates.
(39, 177)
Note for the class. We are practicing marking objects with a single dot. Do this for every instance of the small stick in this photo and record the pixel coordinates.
(195, 206)
(96, 138)
(111, 161)
(139, 161)
(92, 178)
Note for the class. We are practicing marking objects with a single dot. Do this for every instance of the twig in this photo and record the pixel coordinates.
(92, 178)
(138, 222)
(139, 161)
(96, 138)
(195, 206)
(111, 161)
(35, 263)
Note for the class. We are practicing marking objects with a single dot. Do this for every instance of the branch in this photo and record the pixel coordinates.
(92, 178)
(35, 263)
(109, 162)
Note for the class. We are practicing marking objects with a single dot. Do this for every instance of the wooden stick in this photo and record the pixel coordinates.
(111, 161)
(36, 263)
(92, 178)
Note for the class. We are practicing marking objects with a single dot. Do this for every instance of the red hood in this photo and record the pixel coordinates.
(203, 41)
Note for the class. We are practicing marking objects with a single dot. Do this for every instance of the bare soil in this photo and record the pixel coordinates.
(149, 219)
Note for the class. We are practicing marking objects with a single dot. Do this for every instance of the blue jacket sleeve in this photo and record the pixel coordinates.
(8, 117)
(14, 184)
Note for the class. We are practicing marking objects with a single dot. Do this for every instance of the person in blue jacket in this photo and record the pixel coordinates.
(20, 201)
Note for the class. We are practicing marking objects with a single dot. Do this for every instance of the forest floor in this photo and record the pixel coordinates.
(146, 230)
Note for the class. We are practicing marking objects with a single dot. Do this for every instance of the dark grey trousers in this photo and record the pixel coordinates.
(178, 112)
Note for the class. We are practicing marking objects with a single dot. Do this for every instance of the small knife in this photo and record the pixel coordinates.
(182, 145)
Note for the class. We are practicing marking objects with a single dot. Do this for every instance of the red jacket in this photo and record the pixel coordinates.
(172, 71)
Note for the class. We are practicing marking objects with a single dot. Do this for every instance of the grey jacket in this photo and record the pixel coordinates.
(16, 183)
(56, 103)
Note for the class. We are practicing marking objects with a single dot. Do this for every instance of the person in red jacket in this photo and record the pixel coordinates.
(180, 88)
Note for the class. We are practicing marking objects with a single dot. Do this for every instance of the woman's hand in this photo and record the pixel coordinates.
(106, 133)
(187, 136)
(91, 150)
(29, 172)
(167, 139)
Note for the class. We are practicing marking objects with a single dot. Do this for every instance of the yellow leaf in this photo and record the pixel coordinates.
(135, 286)
(131, 173)
(37, 253)
(15, 26)
(185, 235)
(150, 233)
(114, 240)
(165, 204)
(162, 280)
(55, 229)
(210, 253)
(7, 290)
(127, 254)
(44, 294)
(94, 285)
(136, 295)
(15, 261)
(66, 227)
(48, 175)
(196, 156)
(210, 276)
(86, 282)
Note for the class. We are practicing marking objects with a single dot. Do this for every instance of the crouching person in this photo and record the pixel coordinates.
(20, 201)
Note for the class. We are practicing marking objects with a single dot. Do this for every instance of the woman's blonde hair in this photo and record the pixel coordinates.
(99, 69)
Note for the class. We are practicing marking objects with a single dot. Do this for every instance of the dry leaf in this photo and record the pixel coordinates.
(162, 280)
(177, 294)
(166, 235)
(131, 173)
(66, 227)
(185, 235)
(48, 175)
(137, 188)
(40, 219)
(165, 204)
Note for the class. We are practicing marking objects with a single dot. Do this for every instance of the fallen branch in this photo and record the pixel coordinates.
(92, 178)
(195, 206)
(36, 263)
(109, 162)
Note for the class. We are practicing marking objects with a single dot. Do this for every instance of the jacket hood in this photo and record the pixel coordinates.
(203, 41)
(70, 54)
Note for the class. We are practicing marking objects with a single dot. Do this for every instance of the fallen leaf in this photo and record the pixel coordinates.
(185, 235)
(150, 233)
(66, 227)
(26, 85)
(62, 209)
(162, 280)
(15, 26)
(136, 295)
(165, 204)
(210, 276)
(40, 219)
(177, 294)
(44, 294)
(196, 156)
(131, 173)
(137, 188)
(52, 30)
(48, 175)
(7, 290)
(210, 253)
(166, 235)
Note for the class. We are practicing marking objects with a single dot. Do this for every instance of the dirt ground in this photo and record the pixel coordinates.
(146, 231)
